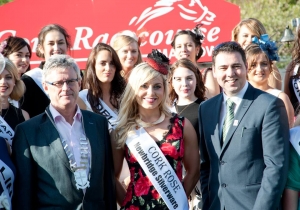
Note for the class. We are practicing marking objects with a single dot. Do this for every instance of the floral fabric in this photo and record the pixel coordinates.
(141, 194)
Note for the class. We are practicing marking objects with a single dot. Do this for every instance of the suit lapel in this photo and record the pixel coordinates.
(216, 118)
(244, 106)
(54, 141)
(90, 128)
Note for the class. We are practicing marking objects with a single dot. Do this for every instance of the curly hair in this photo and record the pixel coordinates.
(92, 83)
(296, 49)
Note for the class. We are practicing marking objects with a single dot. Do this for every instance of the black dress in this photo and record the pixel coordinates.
(190, 112)
(13, 116)
(34, 100)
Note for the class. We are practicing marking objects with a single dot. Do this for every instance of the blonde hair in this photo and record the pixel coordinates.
(129, 111)
(124, 40)
(252, 24)
(19, 88)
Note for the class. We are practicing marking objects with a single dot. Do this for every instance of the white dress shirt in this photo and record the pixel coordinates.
(237, 99)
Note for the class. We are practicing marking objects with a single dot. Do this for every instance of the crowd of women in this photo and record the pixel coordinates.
(116, 79)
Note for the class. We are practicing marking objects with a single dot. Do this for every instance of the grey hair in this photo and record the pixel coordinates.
(60, 62)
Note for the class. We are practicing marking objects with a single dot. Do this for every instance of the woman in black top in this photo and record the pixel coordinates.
(186, 93)
(186, 90)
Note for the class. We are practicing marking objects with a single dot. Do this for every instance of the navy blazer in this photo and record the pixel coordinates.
(44, 178)
(249, 171)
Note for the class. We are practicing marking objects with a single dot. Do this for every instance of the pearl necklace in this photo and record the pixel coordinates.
(143, 124)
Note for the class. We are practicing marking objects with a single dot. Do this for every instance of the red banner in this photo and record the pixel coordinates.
(92, 21)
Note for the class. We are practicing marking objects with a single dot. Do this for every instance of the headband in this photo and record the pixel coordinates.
(268, 46)
(158, 61)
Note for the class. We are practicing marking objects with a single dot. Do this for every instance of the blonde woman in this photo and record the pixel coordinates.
(127, 46)
(11, 87)
(243, 33)
(154, 142)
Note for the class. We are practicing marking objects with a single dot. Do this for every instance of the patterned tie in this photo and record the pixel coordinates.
(229, 118)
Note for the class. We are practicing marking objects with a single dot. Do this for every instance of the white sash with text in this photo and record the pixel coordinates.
(158, 169)
(6, 131)
(296, 83)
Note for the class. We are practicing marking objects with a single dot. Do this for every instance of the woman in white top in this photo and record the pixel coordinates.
(103, 83)
(259, 69)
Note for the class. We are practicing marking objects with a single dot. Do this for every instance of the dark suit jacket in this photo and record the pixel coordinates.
(250, 170)
(44, 179)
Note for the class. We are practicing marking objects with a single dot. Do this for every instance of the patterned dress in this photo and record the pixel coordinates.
(141, 194)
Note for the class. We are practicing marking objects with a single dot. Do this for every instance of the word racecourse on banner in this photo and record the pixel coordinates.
(155, 21)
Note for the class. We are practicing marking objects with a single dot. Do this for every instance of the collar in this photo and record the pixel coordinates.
(239, 96)
(57, 116)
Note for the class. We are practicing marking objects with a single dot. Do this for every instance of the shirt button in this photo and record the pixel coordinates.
(224, 185)
(222, 162)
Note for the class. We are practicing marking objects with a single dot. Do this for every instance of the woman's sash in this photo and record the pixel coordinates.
(296, 83)
(158, 169)
(110, 115)
(7, 186)
(6, 131)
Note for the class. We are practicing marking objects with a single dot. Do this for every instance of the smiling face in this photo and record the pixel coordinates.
(63, 97)
(7, 83)
(21, 59)
(185, 48)
(54, 43)
(128, 56)
(150, 94)
(230, 72)
(244, 37)
(105, 68)
(184, 83)
(259, 70)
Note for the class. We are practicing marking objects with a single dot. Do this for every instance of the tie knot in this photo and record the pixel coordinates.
(230, 104)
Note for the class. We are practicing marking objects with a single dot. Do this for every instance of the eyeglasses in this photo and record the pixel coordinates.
(60, 84)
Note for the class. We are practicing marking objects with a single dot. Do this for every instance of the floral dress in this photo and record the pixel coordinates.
(141, 194)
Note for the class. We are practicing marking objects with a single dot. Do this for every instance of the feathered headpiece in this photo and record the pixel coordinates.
(197, 31)
(268, 46)
(158, 61)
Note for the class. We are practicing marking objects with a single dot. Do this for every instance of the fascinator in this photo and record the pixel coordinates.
(197, 31)
(268, 46)
(158, 61)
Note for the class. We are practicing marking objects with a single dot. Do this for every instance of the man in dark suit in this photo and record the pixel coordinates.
(244, 138)
(63, 156)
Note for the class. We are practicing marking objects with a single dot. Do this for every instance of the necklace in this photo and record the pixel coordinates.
(143, 124)
(183, 108)
(5, 112)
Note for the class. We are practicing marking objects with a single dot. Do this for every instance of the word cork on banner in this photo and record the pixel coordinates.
(158, 169)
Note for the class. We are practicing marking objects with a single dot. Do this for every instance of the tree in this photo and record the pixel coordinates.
(275, 15)
(4, 2)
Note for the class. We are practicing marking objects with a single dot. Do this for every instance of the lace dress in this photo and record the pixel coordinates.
(141, 194)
